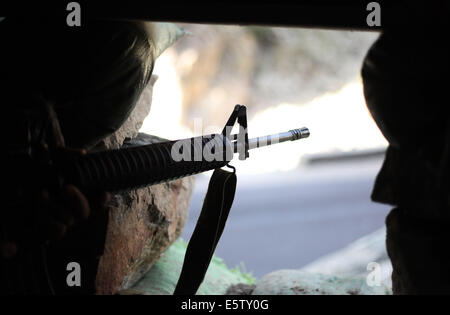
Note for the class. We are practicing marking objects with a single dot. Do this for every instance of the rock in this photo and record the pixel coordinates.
(296, 282)
(347, 267)
(163, 276)
(240, 289)
(143, 222)
(418, 250)
(130, 128)
(355, 259)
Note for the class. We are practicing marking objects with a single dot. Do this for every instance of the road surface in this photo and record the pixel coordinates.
(289, 219)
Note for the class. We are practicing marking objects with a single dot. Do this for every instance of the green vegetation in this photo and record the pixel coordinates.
(163, 276)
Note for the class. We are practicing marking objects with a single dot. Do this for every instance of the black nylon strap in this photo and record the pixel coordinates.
(207, 232)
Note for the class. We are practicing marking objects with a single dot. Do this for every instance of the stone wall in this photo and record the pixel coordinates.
(143, 222)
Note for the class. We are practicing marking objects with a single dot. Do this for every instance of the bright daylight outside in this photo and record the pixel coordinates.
(301, 205)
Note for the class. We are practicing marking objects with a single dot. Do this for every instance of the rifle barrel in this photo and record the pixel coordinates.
(291, 135)
(139, 166)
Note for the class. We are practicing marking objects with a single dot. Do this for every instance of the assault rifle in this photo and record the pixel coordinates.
(47, 165)
(137, 166)
(134, 167)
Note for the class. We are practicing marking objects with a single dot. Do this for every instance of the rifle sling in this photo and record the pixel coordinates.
(216, 207)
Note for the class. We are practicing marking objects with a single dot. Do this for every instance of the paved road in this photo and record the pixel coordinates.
(289, 219)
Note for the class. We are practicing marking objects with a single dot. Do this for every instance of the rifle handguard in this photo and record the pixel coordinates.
(134, 167)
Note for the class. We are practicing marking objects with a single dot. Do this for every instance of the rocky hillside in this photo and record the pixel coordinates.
(220, 66)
